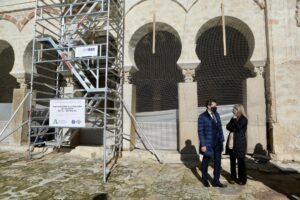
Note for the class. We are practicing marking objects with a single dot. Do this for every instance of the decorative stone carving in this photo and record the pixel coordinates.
(298, 13)
(18, 18)
(261, 3)
(127, 77)
(22, 81)
(259, 70)
(258, 67)
(189, 75)
(22, 78)
(188, 69)
(69, 80)
(128, 71)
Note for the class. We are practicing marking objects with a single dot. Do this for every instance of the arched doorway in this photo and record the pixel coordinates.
(156, 86)
(7, 59)
(224, 77)
(158, 71)
(218, 76)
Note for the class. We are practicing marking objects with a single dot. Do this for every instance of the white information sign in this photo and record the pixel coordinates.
(86, 51)
(67, 113)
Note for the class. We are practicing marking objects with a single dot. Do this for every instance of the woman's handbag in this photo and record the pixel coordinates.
(230, 140)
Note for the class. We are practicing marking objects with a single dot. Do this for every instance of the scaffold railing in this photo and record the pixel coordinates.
(77, 60)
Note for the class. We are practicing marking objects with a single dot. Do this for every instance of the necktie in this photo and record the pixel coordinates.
(214, 118)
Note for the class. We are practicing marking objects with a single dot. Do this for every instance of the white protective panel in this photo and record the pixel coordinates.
(161, 127)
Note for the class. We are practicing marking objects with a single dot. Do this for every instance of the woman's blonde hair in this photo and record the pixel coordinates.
(240, 109)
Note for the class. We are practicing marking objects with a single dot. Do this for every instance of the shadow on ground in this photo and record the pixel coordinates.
(286, 183)
(190, 158)
(101, 196)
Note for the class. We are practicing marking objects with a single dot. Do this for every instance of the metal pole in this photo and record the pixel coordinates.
(122, 80)
(21, 104)
(13, 131)
(31, 81)
(135, 122)
(154, 27)
(105, 93)
(224, 29)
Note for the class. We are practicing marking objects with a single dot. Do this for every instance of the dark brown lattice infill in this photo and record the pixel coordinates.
(217, 76)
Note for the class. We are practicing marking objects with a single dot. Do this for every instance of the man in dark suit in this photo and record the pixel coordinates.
(211, 142)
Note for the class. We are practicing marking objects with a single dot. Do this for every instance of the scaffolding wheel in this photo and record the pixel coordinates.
(27, 155)
(119, 154)
(55, 150)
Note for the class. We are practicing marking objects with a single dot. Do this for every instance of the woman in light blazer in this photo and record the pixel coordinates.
(236, 144)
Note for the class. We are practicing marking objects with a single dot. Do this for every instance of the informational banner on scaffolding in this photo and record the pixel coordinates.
(86, 51)
(67, 113)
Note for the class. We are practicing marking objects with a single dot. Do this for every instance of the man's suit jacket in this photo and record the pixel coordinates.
(205, 131)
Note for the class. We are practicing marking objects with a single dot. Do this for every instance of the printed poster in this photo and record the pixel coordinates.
(67, 113)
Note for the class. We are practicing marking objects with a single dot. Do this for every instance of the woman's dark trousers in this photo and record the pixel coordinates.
(242, 174)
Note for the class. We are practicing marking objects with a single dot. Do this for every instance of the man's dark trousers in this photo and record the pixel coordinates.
(217, 164)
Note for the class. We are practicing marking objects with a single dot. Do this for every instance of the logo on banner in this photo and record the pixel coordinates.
(67, 113)
(76, 121)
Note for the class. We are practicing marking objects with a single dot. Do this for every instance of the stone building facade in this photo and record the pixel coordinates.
(263, 39)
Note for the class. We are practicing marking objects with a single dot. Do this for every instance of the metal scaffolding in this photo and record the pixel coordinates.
(78, 55)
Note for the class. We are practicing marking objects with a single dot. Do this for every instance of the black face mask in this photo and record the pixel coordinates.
(213, 109)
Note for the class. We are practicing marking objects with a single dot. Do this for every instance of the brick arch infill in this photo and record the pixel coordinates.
(21, 18)
(19, 23)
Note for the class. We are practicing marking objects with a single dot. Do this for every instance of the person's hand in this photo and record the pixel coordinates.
(203, 149)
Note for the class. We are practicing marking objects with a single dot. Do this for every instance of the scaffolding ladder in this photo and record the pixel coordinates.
(78, 56)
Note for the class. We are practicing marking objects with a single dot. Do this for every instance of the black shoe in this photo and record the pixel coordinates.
(241, 182)
(232, 180)
(205, 183)
(219, 185)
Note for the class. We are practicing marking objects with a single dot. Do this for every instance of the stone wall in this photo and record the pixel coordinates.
(187, 20)
(187, 17)
(184, 19)
(17, 28)
(284, 75)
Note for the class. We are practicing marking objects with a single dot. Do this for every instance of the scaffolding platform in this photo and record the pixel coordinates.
(78, 57)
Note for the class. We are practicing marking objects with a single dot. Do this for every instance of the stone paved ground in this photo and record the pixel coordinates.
(136, 176)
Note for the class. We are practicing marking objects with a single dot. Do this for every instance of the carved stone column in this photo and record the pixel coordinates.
(23, 83)
(127, 77)
(188, 70)
(256, 111)
(70, 87)
(19, 137)
(188, 106)
(129, 99)
(23, 79)
(189, 75)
